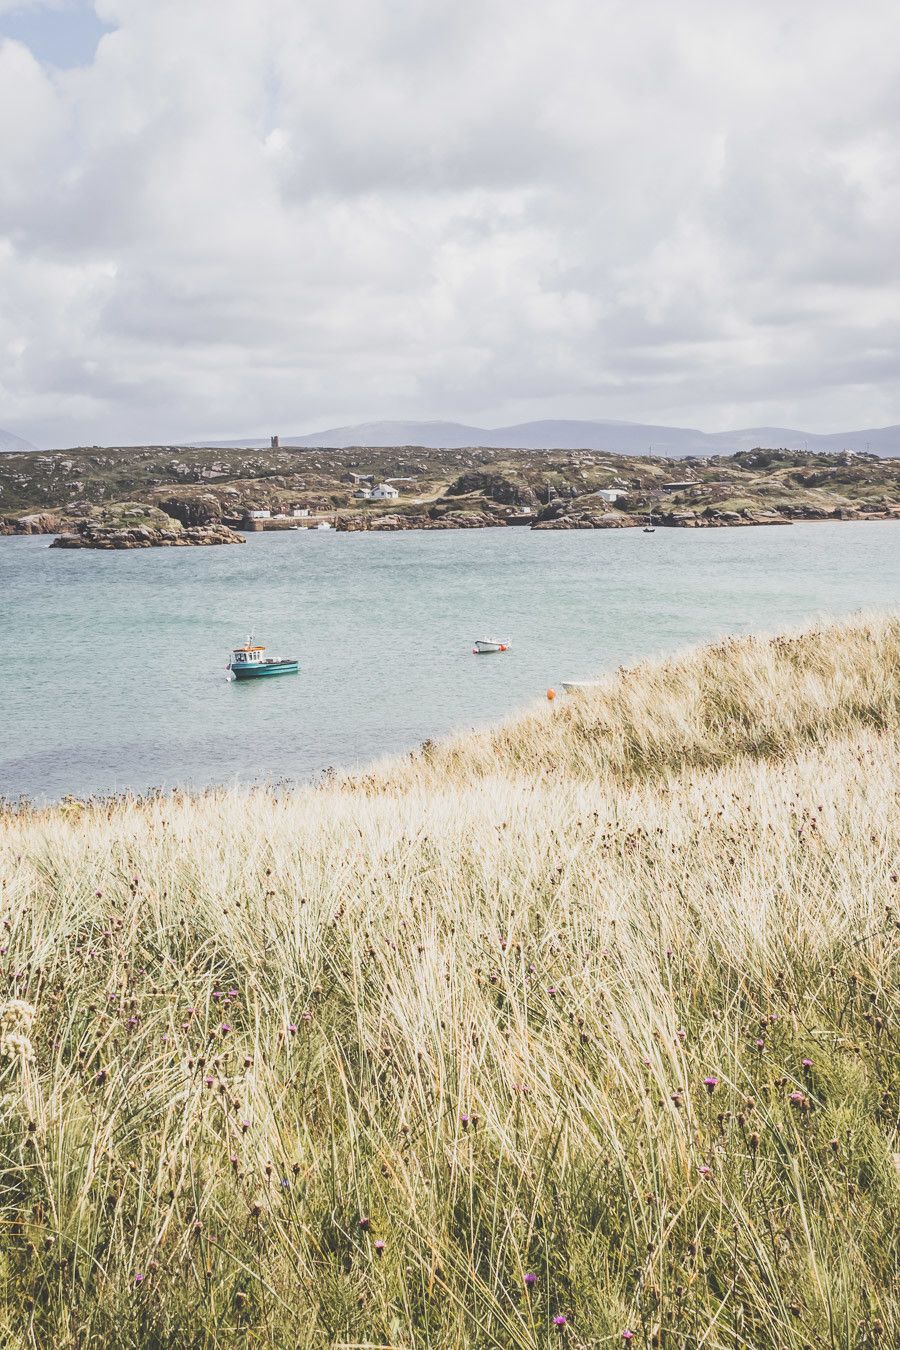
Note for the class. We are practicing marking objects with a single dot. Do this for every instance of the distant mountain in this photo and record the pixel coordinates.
(10, 442)
(629, 438)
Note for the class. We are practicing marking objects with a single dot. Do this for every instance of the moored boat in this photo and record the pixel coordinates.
(251, 663)
(485, 645)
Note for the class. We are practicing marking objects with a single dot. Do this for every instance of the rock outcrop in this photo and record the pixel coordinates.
(44, 522)
(98, 536)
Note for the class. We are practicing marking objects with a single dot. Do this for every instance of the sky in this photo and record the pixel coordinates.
(233, 217)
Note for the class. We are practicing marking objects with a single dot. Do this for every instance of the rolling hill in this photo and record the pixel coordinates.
(565, 434)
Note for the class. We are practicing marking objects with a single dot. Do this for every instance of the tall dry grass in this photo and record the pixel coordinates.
(579, 1031)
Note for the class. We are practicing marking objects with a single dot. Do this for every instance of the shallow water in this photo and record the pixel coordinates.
(115, 670)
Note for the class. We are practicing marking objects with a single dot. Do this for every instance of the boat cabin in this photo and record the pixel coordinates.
(248, 655)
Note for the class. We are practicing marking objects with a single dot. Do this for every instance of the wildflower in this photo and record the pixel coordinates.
(760, 1044)
(16, 1019)
(379, 1246)
(365, 1221)
(704, 1170)
(17, 1015)
(807, 1063)
(797, 1098)
(139, 1279)
(464, 1121)
(681, 1033)
(225, 1028)
(676, 1098)
(710, 1083)
(530, 1280)
(627, 1335)
(292, 1029)
(560, 1321)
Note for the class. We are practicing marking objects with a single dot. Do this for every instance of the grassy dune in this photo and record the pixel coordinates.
(578, 1031)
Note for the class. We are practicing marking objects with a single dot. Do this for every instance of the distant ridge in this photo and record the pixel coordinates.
(10, 442)
(630, 438)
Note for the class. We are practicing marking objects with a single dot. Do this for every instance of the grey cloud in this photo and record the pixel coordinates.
(245, 213)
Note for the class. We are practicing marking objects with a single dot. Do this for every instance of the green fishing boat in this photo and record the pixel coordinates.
(251, 663)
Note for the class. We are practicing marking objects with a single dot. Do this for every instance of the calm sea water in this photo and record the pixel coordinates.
(114, 671)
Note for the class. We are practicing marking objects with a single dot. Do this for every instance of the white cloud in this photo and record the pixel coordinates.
(253, 213)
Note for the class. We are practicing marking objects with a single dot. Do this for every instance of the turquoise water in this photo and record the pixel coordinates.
(114, 673)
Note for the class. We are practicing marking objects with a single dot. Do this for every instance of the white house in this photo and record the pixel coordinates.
(363, 494)
(610, 494)
(300, 512)
(384, 492)
(260, 515)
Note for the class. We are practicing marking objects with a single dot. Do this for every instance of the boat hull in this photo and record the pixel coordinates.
(264, 670)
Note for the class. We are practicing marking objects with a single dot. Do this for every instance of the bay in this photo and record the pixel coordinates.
(114, 671)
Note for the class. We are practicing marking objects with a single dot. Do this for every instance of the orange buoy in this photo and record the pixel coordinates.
(551, 695)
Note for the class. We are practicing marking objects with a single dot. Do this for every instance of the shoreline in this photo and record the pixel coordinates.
(351, 778)
(400, 525)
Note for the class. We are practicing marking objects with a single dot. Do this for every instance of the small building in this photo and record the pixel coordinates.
(384, 492)
(259, 515)
(610, 494)
(300, 512)
(362, 478)
(363, 494)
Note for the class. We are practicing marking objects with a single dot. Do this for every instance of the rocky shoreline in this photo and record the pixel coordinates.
(612, 521)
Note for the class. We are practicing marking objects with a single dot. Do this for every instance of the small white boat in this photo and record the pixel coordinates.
(324, 525)
(485, 645)
(579, 686)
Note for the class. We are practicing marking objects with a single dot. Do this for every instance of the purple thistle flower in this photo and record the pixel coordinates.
(530, 1279)
(560, 1321)
(627, 1335)
(379, 1246)
(807, 1063)
(139, 1279)
(710, 1083)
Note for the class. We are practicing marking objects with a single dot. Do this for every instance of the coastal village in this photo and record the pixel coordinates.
(142, 495)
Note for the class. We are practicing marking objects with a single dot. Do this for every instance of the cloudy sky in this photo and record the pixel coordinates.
(225, 217)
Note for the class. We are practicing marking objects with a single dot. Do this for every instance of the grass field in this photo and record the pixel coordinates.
(580, 1031)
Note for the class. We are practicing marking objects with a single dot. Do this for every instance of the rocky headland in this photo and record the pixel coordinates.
(111, 498)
